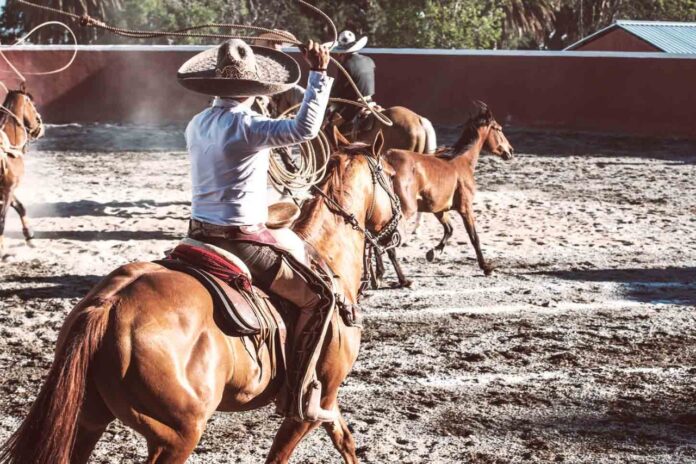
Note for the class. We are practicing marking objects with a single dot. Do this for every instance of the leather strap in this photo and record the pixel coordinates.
(257, 234)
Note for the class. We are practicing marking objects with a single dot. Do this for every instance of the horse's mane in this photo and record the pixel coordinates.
(10, 100)
(331, 185)
(482, 117)
(331, 180)
(355, 148)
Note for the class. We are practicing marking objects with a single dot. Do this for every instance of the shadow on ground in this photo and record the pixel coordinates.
(673, 285)
(92, 235)
(95, 208)
(64, 286)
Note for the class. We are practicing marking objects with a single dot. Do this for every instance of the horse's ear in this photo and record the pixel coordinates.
(378, 144)
(339, 139)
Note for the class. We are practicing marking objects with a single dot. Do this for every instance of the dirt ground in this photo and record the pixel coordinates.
(580, 348)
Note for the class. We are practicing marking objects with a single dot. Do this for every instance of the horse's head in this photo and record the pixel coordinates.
(20, 105)
(495, 141)
(380, 208)
(352, 199)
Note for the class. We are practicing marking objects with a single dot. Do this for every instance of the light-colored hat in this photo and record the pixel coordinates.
(348, 43)
(235, 69)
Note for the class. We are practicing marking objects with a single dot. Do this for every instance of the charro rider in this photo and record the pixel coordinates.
(361, 69)
(229, 147)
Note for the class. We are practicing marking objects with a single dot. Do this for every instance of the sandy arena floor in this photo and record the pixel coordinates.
(581, 348)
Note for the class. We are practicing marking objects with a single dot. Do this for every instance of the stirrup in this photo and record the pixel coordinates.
(313, 411)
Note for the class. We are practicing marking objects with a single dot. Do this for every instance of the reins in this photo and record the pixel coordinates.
(374, 241)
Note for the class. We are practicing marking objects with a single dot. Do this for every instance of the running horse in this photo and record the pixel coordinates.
(143, 346)
(445, 182)
(20, 123)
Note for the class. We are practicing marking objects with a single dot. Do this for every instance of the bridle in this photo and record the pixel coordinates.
(391, 229)
(29, 134)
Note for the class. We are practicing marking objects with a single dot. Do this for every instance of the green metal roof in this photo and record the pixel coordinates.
(670, 37)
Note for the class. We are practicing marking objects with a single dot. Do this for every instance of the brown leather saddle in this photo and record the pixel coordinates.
(240, 309)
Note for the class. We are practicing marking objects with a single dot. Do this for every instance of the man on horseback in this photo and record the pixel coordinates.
(229, 147)
(361, 70)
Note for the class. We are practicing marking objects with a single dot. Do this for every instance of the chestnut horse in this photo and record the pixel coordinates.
(409, 131)
(445, 182)
(20, 123)
(143, 347)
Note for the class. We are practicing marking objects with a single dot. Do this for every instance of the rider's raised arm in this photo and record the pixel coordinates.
(264, 132)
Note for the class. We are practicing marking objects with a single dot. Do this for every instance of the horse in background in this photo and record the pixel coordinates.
(445, 182)
(20, 123)
(409, 131)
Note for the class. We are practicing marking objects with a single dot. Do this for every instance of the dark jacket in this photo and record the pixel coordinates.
(362, 70)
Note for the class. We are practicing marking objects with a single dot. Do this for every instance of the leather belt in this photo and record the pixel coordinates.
(255, 233)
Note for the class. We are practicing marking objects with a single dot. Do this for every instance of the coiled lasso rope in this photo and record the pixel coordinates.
(315, 154)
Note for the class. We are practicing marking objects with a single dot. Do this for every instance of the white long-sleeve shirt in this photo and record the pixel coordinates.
(229, 147)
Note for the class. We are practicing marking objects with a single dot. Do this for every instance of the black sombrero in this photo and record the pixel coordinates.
(235, 69)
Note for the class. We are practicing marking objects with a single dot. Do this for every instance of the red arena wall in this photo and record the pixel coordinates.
(630, 93)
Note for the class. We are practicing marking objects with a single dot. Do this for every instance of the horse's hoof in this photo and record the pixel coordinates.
(406, 283)
(28, 234)
(488, 269)
(430, 256)
(377, 284)
(30, 242)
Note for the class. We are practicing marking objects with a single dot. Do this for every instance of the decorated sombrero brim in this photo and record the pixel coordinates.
(277, 73)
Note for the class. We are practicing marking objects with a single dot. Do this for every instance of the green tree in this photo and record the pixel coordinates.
(25, 18)
(437, 24)
(575, 19)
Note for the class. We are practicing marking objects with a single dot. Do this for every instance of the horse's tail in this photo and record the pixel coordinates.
(47, 434)
(430, 136)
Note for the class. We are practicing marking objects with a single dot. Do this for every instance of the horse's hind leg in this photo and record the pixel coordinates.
(87, 438)
(342, 439)
(289, 435)
(470, 224)
(6, 198)
(22, 211)
(93, 420)
(444, 219)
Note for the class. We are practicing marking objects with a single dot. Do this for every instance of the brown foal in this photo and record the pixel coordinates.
(143, 347)
(445, 182)
(21, 122)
